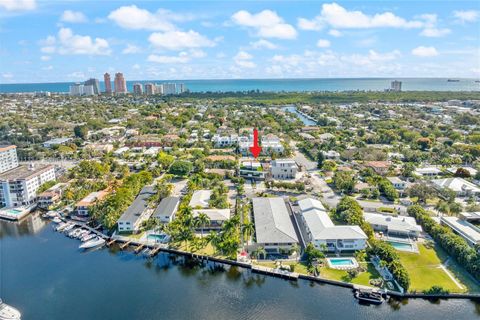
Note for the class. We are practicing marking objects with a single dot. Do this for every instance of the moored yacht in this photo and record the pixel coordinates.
(95, 242)
(8, 313)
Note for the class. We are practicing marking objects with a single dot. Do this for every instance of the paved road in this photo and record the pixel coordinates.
(331, 198)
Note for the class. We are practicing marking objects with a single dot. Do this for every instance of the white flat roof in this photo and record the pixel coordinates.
(464, 228)
(200, 198)
(399, 223)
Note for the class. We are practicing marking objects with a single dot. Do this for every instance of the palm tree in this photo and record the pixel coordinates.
(202, 220)
(295, 248)
(214, 239)
(260, 251)
(248, 229)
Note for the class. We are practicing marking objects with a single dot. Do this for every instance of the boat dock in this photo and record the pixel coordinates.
(276, 272)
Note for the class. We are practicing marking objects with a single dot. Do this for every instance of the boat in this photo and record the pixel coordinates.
(95, 242)
(52, 214)
(69, 227)
(61, 226)
(453, 80)
(82, 233)
(87, 237)
(369, 296)
(8, 312)
(74, 233)
(57, 220)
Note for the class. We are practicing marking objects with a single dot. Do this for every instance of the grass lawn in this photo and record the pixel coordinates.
(207, 250)
(134, 236)
(424, 270)
(332, 274)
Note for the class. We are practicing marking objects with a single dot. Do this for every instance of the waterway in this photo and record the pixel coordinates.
(306, 121)
(43, 274)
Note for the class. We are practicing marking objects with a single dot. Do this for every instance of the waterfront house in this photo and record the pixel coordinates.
(82, 207)
(463, 228)
(131, 220)
(323, 234)
(166, 210)
(397, 183)
(51, 196)
(273, 227)
(216, 217)
(393, 225)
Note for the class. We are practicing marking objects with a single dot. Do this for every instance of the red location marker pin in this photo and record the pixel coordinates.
(255, 149)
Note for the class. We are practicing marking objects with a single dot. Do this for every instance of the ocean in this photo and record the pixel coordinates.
(277, 85)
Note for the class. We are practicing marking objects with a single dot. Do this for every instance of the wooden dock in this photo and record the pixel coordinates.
(110, 242)
(126, 244)
(275, 272)
(154, 251)
(139, 248)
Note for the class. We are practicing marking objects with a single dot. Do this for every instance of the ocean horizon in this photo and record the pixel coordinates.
(275, 85)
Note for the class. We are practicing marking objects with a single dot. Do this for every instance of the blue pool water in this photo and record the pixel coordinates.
(341, 262)
(401, 245)
(156, 237)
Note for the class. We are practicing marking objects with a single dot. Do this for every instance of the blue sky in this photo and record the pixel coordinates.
(53, 41)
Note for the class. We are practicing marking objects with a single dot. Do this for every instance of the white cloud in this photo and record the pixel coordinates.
(335, 33)
(77, 75)
(435, 32)
(131, 49)
(136, 66)
(73, 17)
(50, 67)
(7, 75)
(466, 15)
(323, 43)
(267, 24)
(178, 40)
(18, 5)
(45, 58)
(263, 44)
(422, 51)
(182, 57)
(338, 17)
(69, 43)
(244, 59)
(132, 17)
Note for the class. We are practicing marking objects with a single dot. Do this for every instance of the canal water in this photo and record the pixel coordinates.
(306, 121)
(45, 276)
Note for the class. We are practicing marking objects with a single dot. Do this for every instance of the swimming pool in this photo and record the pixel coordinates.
(342, 263)
(402, 246)
(158, 237)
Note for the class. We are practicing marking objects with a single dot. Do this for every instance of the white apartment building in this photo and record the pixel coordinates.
(8, 158)
(324, 234)
(283, 169)
(224, 141)
(270, 144)
(18, 186)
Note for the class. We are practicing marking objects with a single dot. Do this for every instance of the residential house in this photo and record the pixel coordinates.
(166, 210)
(460, 186)
(273, 227)
(283, 169)
(402, 226)
(324, 234)
(131, 220)
(82, 207)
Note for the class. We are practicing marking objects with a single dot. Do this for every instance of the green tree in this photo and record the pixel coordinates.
(320, 159)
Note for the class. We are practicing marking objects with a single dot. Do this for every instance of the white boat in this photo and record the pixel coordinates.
(57, 220)
(8, 313)
(95, 242)
(69, 227)
(61, 226)
(74, 233)
(52, 214)
(87, 237)
(82, 233)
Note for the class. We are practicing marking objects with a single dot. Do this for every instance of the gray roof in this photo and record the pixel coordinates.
(399, 223)
(272, 221)
(167, 207)
(321, 226)
(138, 206)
